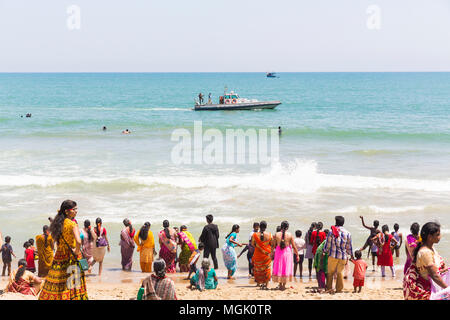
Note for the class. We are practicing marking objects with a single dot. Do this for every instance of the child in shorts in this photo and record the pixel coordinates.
(7, 253)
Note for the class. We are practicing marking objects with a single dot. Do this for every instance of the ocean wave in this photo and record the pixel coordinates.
(376, 209)
(380, 152)
(338, 133)
(299, 176)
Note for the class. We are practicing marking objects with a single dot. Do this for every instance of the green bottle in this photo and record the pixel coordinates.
(140, 293)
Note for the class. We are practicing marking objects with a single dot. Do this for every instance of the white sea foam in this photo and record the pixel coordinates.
(297, 177)
(376, 209)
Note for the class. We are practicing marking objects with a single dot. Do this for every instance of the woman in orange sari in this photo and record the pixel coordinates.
(145, 246)
(262, 262)
(44, 244)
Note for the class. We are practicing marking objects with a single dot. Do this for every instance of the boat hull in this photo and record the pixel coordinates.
(238, 106)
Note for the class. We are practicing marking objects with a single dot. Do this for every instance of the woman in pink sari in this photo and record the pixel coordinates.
(283, 264)
(127, 245)
(411, 244)
(168, 243)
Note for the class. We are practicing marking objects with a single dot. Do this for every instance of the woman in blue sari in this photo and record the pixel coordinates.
(228, 252)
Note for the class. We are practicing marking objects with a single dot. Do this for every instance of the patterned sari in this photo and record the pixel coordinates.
(261, 259)
(45, 252)
(159, 288)
(127, 248)
(65, 280)
(24, 285)
(145, 248)
(187, 248)
(415, 287)
(229, 254)
(168, 251)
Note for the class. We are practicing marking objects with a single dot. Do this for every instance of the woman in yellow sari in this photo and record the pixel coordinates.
(65, 280)
(145, 246)
(262, 262)
(44, 244)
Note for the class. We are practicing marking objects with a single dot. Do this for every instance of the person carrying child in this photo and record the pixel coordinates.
(359, 272)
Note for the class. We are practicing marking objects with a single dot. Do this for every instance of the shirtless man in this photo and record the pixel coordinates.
(373, 232)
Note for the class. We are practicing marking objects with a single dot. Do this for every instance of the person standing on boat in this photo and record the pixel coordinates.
(200, 98)
(209, 99)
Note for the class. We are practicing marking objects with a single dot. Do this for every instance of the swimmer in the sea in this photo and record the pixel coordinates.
(126, 131)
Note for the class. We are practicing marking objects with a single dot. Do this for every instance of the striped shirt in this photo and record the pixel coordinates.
(341, 247)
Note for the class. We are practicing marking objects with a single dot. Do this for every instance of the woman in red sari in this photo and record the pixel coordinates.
(427, 265)
(385, 258)
(262, 262)
(23, 281)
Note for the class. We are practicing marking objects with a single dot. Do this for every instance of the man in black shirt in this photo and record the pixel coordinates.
(210, 237)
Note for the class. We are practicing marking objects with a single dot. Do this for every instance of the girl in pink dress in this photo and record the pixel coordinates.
(283, 264)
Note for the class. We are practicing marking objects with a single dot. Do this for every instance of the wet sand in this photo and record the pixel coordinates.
(115, 284)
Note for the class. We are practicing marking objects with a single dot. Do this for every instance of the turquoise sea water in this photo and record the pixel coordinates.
(372, 144)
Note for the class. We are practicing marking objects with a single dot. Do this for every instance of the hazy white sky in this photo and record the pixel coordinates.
(224, 35)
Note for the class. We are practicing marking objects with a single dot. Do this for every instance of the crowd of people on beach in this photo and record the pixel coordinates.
(66, 252)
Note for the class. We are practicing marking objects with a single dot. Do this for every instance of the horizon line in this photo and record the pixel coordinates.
(140, 72)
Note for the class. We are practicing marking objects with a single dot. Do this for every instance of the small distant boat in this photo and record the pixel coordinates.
(271, 75)
(232, 101)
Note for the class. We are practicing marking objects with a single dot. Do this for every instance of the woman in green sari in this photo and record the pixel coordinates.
(188, 245)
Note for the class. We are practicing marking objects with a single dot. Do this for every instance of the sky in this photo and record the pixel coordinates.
(224, 35)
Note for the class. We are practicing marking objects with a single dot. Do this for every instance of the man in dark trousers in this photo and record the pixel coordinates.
(210, 237)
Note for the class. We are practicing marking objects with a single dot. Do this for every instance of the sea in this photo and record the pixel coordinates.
(375, 145)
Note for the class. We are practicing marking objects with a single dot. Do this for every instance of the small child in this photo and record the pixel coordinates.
(29, 257)
(194, 258)
(359, 273)
(31, 241)
(301, 246)
(7, 252)
(250, 249)
(374, 253)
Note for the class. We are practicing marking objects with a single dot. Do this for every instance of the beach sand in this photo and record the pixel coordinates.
(112, 285)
